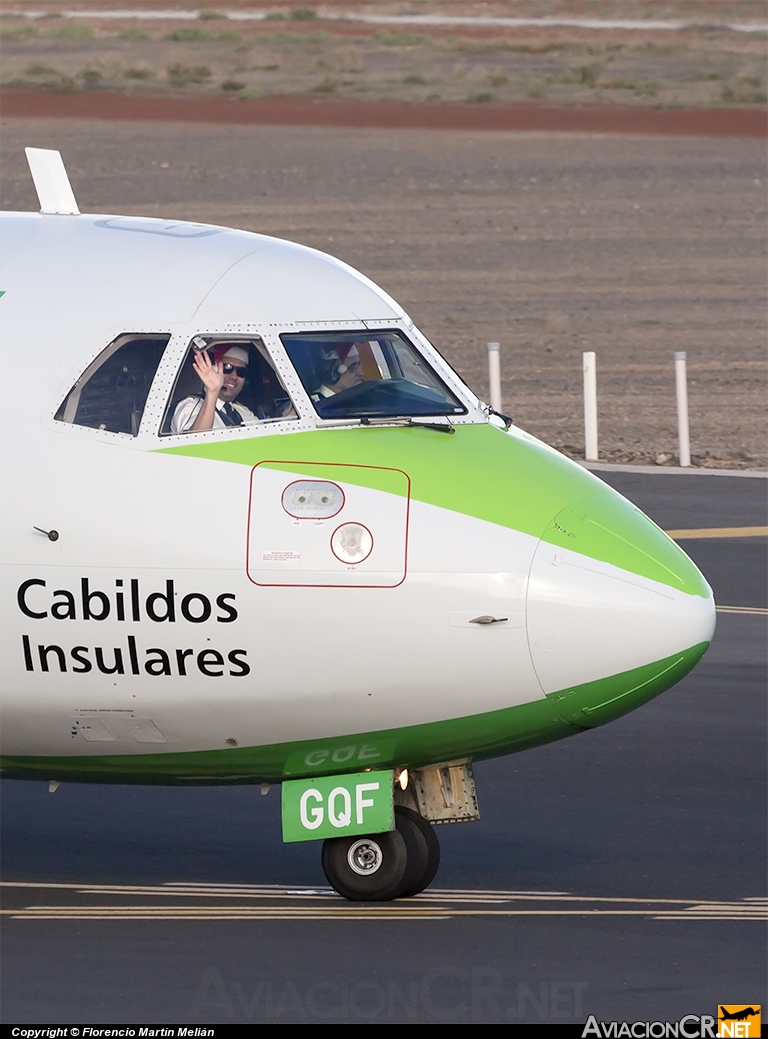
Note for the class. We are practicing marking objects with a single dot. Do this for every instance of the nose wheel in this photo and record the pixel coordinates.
(382, 866)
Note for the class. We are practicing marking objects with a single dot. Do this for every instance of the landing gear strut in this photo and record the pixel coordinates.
(383, 866)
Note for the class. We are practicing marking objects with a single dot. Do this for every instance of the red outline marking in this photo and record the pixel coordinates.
(343, 465)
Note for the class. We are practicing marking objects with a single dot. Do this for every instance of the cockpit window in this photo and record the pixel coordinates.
(367, 375)
(113, 389)
(226, 381)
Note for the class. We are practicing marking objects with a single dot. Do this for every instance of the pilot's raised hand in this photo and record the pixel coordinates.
(209, 374)
(212, 378)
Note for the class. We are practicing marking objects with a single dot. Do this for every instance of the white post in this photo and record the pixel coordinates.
(494, 375)
(590, 407)
(681, 386)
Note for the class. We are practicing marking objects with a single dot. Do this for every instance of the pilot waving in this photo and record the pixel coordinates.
(223, 381)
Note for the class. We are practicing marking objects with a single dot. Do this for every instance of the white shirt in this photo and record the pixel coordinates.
(186, 412)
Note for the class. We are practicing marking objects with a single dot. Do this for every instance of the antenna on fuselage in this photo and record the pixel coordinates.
(51, 182)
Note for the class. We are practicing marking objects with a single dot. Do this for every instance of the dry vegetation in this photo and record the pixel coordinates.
(301, 50)
(549, 243)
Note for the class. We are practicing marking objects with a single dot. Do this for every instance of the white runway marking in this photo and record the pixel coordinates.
(646, 25)
(180, 901)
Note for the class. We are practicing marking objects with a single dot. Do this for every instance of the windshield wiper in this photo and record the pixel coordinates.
(441, 427)
(403, 420)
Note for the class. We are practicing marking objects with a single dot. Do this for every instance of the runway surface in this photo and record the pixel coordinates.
(620, 873)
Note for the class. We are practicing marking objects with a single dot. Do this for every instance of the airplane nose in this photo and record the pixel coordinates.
(616, 611)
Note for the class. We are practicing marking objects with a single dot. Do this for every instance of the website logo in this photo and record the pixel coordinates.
(738, 1020)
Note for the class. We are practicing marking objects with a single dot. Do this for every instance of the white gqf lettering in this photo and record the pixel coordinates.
(345, 816)
(317, 812)
(360, 802)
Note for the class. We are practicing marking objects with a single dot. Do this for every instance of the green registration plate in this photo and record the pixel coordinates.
(338, 806)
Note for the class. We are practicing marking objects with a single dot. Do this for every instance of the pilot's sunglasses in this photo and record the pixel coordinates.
(228, 368)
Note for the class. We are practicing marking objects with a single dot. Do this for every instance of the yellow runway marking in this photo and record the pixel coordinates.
(757, 611)
(395, 912)
(718, 532)
(263, 902)
(442, 895)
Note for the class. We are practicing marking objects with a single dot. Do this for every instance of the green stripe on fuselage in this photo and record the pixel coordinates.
(479, 736)
(473, 472)
(481, 471)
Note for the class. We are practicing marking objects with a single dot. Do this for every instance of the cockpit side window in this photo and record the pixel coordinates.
(367, 374)
(112, 391)
(251, 392)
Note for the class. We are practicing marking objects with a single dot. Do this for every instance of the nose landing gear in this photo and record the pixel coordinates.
(382, 866)
(403, 862)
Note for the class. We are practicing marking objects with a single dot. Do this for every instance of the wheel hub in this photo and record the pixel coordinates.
(364, 857)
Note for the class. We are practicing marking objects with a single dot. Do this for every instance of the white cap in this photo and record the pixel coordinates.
(236, 353)
(353, 356)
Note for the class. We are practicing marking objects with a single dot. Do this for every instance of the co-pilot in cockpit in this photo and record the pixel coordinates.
(341, 369)
(367, 375)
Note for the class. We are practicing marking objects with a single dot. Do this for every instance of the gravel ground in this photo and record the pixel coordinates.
(552, 244)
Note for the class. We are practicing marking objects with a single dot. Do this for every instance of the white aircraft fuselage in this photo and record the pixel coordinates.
(304, 594)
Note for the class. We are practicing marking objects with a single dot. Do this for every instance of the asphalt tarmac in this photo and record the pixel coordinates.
(620, 873)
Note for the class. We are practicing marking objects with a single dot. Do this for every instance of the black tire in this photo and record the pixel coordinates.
(372, 868)
(424, 859)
